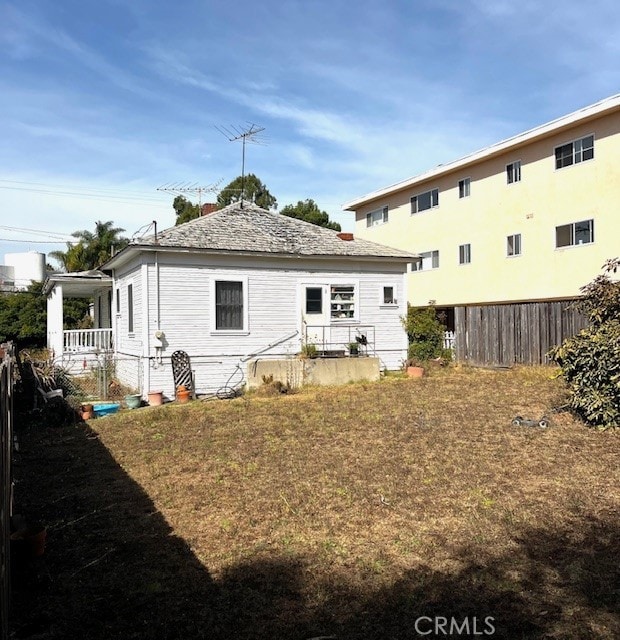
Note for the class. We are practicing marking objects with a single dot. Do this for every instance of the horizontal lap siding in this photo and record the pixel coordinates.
(508, 334)
(124, 343)
(274, 312)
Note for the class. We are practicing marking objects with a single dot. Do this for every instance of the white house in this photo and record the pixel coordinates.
(238, 284)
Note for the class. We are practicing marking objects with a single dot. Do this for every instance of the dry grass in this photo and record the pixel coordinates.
(344, 512)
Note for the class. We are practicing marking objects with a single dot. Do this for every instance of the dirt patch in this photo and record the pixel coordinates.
(349, 512)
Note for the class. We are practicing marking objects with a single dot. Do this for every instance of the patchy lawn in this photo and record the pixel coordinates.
(343, 512)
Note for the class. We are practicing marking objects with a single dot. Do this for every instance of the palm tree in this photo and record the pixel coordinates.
(92, 249)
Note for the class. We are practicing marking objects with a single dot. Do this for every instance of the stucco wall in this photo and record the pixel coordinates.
(545, 197)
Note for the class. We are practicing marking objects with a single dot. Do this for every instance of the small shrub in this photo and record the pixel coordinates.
(425, 333)
(590, 361)
(309, 350)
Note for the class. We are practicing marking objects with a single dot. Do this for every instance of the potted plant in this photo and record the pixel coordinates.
(354, 349)
(414, 368)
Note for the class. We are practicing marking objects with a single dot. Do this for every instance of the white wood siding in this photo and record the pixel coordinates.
(180, 305)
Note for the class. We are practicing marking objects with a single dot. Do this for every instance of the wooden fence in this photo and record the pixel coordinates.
(6, 448)
(508, 334)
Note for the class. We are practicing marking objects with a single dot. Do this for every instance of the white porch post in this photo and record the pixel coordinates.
(54, 321)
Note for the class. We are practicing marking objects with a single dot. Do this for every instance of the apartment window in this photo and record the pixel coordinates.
(342, 299)
(465, 254)
(428, 260)
(314, 300)
(513, 245)
(424, 201)
(464, 187)
(130, 308)
(230, 305)
(513, 172)
(574, 152)
(389, 295)
(378, 216)
(568, 235)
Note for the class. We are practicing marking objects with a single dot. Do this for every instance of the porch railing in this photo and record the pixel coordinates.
(83, 340)
(333, 339)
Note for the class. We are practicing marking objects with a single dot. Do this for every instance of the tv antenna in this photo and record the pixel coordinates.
(181, 188)
(249, 134)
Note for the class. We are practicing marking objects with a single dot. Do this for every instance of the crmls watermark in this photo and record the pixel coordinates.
(440, 626)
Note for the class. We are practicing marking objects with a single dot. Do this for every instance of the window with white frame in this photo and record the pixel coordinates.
(568, 235)
(424, 201)
(230, 299)
(378, 216)
(464, 188)
(464, 253)
(388, 295)
(513, 172)
(513, 245)
(118, 301)
(574, 152)
(130, 308)
(343, 302)
(427, 260)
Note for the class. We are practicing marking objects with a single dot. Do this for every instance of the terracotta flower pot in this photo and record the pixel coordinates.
(415, 372)
(183, 396)
(156, 398)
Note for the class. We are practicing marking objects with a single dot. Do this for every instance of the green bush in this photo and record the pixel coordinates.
(590, 361)
(425, 332)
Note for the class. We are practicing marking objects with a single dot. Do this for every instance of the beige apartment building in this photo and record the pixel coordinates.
(508, 235)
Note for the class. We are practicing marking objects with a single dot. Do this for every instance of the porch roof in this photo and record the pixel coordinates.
(79, 284)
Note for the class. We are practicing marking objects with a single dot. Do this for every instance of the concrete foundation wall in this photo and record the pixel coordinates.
(319, 371)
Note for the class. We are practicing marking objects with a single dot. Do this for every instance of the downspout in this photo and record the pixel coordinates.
(146, 330)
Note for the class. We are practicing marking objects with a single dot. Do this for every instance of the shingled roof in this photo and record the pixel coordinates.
(251, 229)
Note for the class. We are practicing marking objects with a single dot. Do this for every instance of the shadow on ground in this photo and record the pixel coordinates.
(114, 569)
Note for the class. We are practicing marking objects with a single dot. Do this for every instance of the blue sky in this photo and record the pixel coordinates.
(102, 102)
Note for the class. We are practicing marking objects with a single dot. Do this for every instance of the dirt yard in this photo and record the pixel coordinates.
(361, 512)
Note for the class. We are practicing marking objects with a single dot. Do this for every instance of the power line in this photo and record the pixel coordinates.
(146, 194)
(34, 241)
(61, 236)
(123, 199)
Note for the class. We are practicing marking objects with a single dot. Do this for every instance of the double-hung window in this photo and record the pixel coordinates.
(574, 152)
(230, 305)
(378, 216)
(513, 172)
(424, 201)
(427, 260)
(568, 235)
(513, 245)
(464, 254)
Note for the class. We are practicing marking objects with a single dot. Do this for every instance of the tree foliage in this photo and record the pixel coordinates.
(253, 190)
(590, 361)
(91, 249)
(23, 316)
(309, 211)
(425, 332)
(185, 210)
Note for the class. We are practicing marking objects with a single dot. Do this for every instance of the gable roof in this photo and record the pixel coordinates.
(249, 229)
(590, 112)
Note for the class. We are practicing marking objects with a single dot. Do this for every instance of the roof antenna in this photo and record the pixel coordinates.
(249, 134)
(181, 188)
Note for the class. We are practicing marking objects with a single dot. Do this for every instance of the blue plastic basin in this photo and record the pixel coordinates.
(106, 409)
